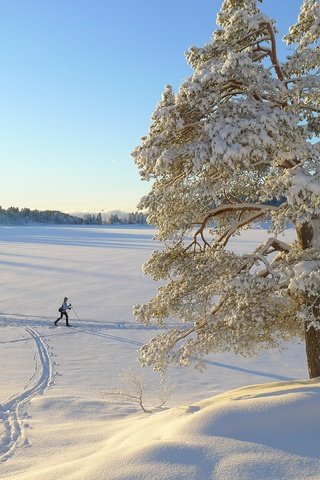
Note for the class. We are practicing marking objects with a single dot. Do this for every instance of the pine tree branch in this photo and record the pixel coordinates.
(224, 209)
(261, 29)
(273, 53)
(276, 244)
(308, 107)
(225, 237)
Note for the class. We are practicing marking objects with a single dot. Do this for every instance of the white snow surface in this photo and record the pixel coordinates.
(240, 419)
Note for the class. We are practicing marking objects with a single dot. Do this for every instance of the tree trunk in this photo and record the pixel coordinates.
(308, 236)
(312, 338)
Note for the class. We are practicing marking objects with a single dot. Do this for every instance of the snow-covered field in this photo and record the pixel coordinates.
(241, 419)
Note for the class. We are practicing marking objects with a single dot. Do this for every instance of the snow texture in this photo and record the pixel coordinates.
(54, 421)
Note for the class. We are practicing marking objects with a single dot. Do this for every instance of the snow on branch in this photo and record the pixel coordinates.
(235, 144)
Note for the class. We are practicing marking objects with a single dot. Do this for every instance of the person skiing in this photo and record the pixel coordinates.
(63, 312)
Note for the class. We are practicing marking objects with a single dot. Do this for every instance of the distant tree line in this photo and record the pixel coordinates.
(16, 216)
(130, 219)
(24, 216)
(92, 219)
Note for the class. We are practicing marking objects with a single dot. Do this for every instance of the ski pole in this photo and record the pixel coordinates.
(75, 313)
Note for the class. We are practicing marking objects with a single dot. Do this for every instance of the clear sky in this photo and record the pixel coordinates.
(79, 80)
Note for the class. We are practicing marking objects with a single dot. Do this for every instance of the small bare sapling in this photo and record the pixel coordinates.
(132, 388)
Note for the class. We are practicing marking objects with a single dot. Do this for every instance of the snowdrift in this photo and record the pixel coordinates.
(269, 431)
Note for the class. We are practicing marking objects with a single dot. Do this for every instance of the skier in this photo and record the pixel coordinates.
(63, 312)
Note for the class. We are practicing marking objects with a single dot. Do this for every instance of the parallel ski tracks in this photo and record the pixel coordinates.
(11, 411)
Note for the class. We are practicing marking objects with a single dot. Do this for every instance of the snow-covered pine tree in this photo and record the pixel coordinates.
(236, 145)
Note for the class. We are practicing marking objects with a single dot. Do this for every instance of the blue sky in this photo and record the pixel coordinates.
(79, 81)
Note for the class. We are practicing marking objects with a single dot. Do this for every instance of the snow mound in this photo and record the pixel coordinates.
(269, 431)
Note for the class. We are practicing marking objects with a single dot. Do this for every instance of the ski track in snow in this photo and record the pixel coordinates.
(13, 412)
(37, 321)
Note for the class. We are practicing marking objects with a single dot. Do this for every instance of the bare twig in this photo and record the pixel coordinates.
(133, 389)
